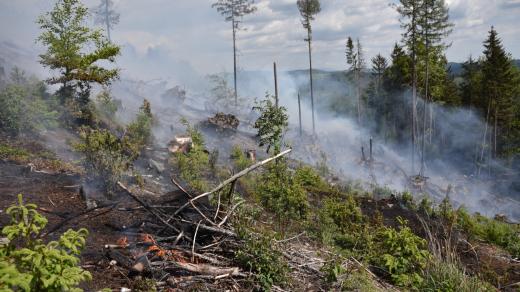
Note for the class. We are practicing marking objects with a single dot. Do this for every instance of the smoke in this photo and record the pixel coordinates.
(339, 137)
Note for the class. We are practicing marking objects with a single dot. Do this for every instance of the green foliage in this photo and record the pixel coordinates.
(407, 199)
(239, 158)
(258, 256)
(75, 51)
(444, 276)
(490, 230)
(281, 193)
(11, 153)
(308, 177)
(347, 278)
(341, 223)
(271, 124)
(106, 104)
(404, 255)
(22, 108)
(27, 264)
(139, 132)
(105, 155)
(194, 164)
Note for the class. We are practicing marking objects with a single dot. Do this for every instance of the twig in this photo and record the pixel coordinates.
(194, 241)
(65, 221)
(231, 179)
(218, 208)
(230, 213)
(178, 185)
(289, 239)
(51, 201)
(147, 208)
(213, 229)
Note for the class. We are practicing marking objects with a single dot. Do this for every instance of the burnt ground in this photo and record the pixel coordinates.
(56, 191)
(58, 199)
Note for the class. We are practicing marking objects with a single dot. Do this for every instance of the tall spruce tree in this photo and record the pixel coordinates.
(106, 16)
(470, 86)
(74, 50)
(409, 11)
(379, 66)
(233, 11)
(500, 84)
(355, 59)
(308, 10)
(434, 27)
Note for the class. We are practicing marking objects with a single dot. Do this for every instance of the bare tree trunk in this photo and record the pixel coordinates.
(426, 97)
(495, 134)
(481, 160)
(235, 60)
(300, 113)
(107, 20)
(311, 81)
(275, 83)
(358, 95)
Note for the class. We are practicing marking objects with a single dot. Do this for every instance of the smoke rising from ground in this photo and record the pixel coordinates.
(341, 139)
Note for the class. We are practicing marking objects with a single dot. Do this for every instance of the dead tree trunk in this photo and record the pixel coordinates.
(300, 113)
(309, 40)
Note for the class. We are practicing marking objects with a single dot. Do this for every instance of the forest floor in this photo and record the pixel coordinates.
(55, 187)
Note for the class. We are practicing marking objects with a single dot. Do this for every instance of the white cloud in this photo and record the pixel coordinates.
(193, 32)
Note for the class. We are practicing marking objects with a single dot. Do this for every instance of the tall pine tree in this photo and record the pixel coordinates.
(308, 10)
(233, 11)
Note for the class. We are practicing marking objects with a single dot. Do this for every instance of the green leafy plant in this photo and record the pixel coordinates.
(403, 254)
(258, 256)
(308, 177)
(139, 132)
(28, 264)
(490, 230)
(23, 108)
(194, 164)
(271, 124)
(105, 155)
(281, 193)
(240, 160)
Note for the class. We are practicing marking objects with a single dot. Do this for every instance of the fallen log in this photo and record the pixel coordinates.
(202, 269)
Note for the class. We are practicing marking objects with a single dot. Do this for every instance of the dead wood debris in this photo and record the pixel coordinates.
(187, 245)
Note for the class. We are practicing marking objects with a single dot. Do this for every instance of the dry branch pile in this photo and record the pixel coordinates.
(186, 244)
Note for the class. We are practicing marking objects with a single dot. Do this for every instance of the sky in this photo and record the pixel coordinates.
(190, 36)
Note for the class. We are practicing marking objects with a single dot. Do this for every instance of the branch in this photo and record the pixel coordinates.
(231, 179)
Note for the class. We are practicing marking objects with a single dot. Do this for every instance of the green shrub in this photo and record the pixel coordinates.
(341, 223)
(27, 264)
(258, 256)
(360, 280)
(106, 104)
(271, 124)
(105, 155)
(194, 164)
(240, 160)
(444, 276)
(139, 132)
(282, 194)
(407, 200)
(490, 230)
(22, 108)
(309, 178)
(11, 153)
(403, 254)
